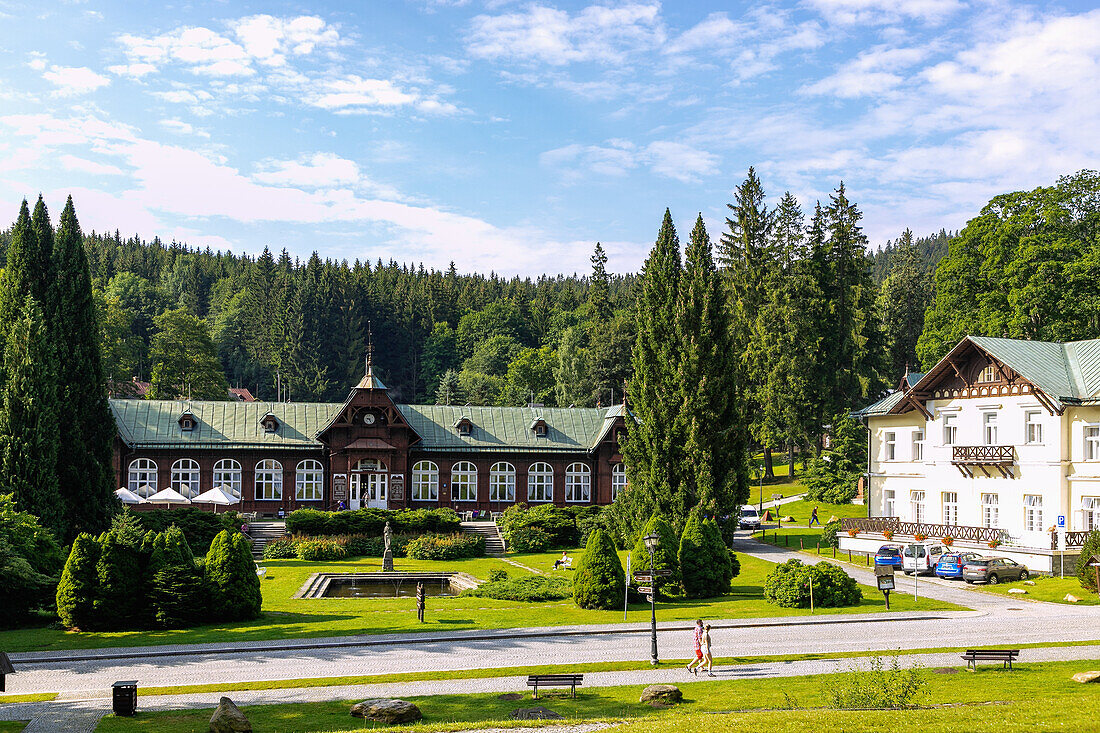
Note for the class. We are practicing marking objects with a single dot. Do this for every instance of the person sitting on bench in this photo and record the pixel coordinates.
(564, 561)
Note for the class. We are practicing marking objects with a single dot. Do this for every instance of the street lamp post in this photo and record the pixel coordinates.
(650, 541)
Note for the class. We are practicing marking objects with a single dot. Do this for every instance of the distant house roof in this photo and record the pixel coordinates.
(506, 428)
(241, 394)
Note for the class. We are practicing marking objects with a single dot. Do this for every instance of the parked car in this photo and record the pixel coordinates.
(920, 557)
(750, 518)
(951, 564)
(889, 555)
(993, 570)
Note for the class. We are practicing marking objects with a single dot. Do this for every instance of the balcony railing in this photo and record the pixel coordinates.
(1000, 457)
(1073, 539)
(879, 524)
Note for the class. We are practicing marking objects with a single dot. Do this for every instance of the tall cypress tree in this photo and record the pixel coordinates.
(85, 450)
(653, 449)
(710, 419)
(29, 419)
(16, 277)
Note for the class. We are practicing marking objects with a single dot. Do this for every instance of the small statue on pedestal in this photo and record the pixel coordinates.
(387, 556)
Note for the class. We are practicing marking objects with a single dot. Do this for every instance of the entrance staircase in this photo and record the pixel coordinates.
(494, 543)
(262, 533)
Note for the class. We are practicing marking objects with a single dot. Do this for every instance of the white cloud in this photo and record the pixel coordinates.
(853, 12)
(136, 70)
(320, 170)
(541, 34)
(74, 80)
(355, 91)
(37, 61)
(183, 128)
(270, 39)
(679, 161)
(675, 160)
(83, 165)
(872, 72)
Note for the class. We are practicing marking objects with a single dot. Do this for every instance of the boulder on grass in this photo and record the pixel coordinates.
(788, 518)
(390, 712)
(832, 519)
(1017, 591)
(1070, 598)
(662, 694)
(1029, 582)
(537, 713)
(228, 718)
(1093, 676)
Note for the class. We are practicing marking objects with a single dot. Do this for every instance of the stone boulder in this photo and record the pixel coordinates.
(1070, 598)
(662, 694)
(228, 718)
(537, 713)
(1017, 591)
(787, 518)
(390, 712)
(1029, 582)
(1093, 676)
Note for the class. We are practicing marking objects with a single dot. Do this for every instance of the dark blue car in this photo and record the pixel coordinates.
(889, 555)
(951, 564)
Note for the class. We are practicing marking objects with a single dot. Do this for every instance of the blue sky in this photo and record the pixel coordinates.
(511, 136)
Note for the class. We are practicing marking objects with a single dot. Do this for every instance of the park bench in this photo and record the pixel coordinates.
(973, 656)
(555, 680)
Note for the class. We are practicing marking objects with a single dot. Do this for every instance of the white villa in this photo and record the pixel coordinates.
(992, 447)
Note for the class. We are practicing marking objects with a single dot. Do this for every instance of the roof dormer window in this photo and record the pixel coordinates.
(539, 427)
(989, 374)
(187, 422)
(463, 426)
(270, 423)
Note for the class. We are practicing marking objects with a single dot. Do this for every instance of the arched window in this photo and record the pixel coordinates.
(370, 464)
(269, 480)
(502, 482)
(464, 481)
(143, 477)
(618, 479)
(227, 476)
(309, 481)
(185, 477)
(578, 483)
(425, 481)
(540, 482)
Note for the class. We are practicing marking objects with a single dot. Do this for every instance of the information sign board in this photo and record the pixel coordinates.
(397, 486)
(340, 487)
(645, 589)
(886, 582)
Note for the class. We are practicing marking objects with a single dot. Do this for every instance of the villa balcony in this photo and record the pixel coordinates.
(1000, 457)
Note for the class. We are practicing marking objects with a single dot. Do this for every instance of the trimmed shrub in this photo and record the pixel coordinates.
(497, 576)
(446, 547)
(788, 585)
(557, 527)
(231, 574)
(705, 568)
(525, 589)
(77, 589)
(589, 522)
(664, 557)
(118, 600)
(284, 548)
(198, 526)
(316, 550)
(598, 581)
(530, 538)
(1085, 574)
(828, 534)
(371, 522)
(180, 597)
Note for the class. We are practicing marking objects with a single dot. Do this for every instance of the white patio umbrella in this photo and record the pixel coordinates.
(169, 497)
(217, 496)
(128, 497)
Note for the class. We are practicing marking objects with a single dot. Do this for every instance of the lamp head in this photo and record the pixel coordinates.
(650, 541)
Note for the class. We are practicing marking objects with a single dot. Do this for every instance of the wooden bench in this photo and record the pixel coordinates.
(555, 680)
(973, 656)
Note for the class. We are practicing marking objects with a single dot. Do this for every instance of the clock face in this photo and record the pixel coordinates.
(370, 418)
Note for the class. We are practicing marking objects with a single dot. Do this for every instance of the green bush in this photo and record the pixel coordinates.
(319, 550)
(498, 576)
(231, 574)
(1085, 574)
(525, 589)
(598, 581)
(371, 522)
(30, 562)
(879, 687)
(198, 526)
(664, 556)
(446, 547)
(284, 548)
(705, 567)
(788, 585)
(833, 477)
(77, 589)
(180, 597)
(118, 600)
(544, 527)
(528, 539)
(589, 522)
(828, 534)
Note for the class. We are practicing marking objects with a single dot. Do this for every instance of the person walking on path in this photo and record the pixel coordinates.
(813, 518)
(707, 657)
(697, 659)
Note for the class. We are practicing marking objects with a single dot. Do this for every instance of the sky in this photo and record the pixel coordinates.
(512, 136)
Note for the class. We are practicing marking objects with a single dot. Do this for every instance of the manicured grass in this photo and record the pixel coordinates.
(1051, 589)
(287, 618)
(1032, 697)
(34, 697)
(792, 533)
(11, 726)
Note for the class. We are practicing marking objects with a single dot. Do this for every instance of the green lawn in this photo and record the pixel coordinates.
(1007, 701)
(1052, 589)
(11, 727)
(287, 618)
(791, 534)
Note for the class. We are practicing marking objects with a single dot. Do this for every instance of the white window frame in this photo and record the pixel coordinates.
(991, 511)
(502, 482)
(1092, 442)
(425, 481)
(1033, 512)
(269, 480)
(142, 473)
(950, 428)
(918, 445)
(951, 508)
(618, 480)
(1090, 513)
(309, 481)
(916, 506)
(464, 481)
(989, 427)
(227, 473)
(185, 477)
(540, 482)
(988, 375)
(1033, 428)
(578, 483)
(373, 465)
(890, 445)
(889, 507)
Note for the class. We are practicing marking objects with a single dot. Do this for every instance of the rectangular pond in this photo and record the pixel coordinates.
(384, 584)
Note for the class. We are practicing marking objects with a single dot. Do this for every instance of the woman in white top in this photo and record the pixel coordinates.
(706, 651)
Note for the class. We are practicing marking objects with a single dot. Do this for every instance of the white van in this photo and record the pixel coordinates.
(920, 557)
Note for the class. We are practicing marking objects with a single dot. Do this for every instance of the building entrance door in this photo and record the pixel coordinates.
(369, 484)
(376, 490)
(355, 491)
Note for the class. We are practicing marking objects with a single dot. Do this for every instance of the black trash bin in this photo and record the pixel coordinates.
(124, 697)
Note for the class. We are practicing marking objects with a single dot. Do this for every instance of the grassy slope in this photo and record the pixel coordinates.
(1063, 704)
(286, 618)
(11, 727)
(1049, 589)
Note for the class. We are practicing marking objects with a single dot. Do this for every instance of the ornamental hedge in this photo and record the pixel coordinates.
(371, 522)
(788, 585)
(355, 545)
(548, 527)
(664, 556)
(444, 547)
(598, 581)
(706, 564)
(198, 526)
(525, 589)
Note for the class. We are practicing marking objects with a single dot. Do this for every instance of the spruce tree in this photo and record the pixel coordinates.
(231, 577)
(86, 435)
(598, 580)
(598, 286)
(118, 601)
(664, 555)
(906, 294)
(16, 278)
(653, 449)
(711, 421)
(29, 419)
(76, 592)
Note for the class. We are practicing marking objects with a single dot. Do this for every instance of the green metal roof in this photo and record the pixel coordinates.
(882, 407)
(507, 428)
(1067, 372)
